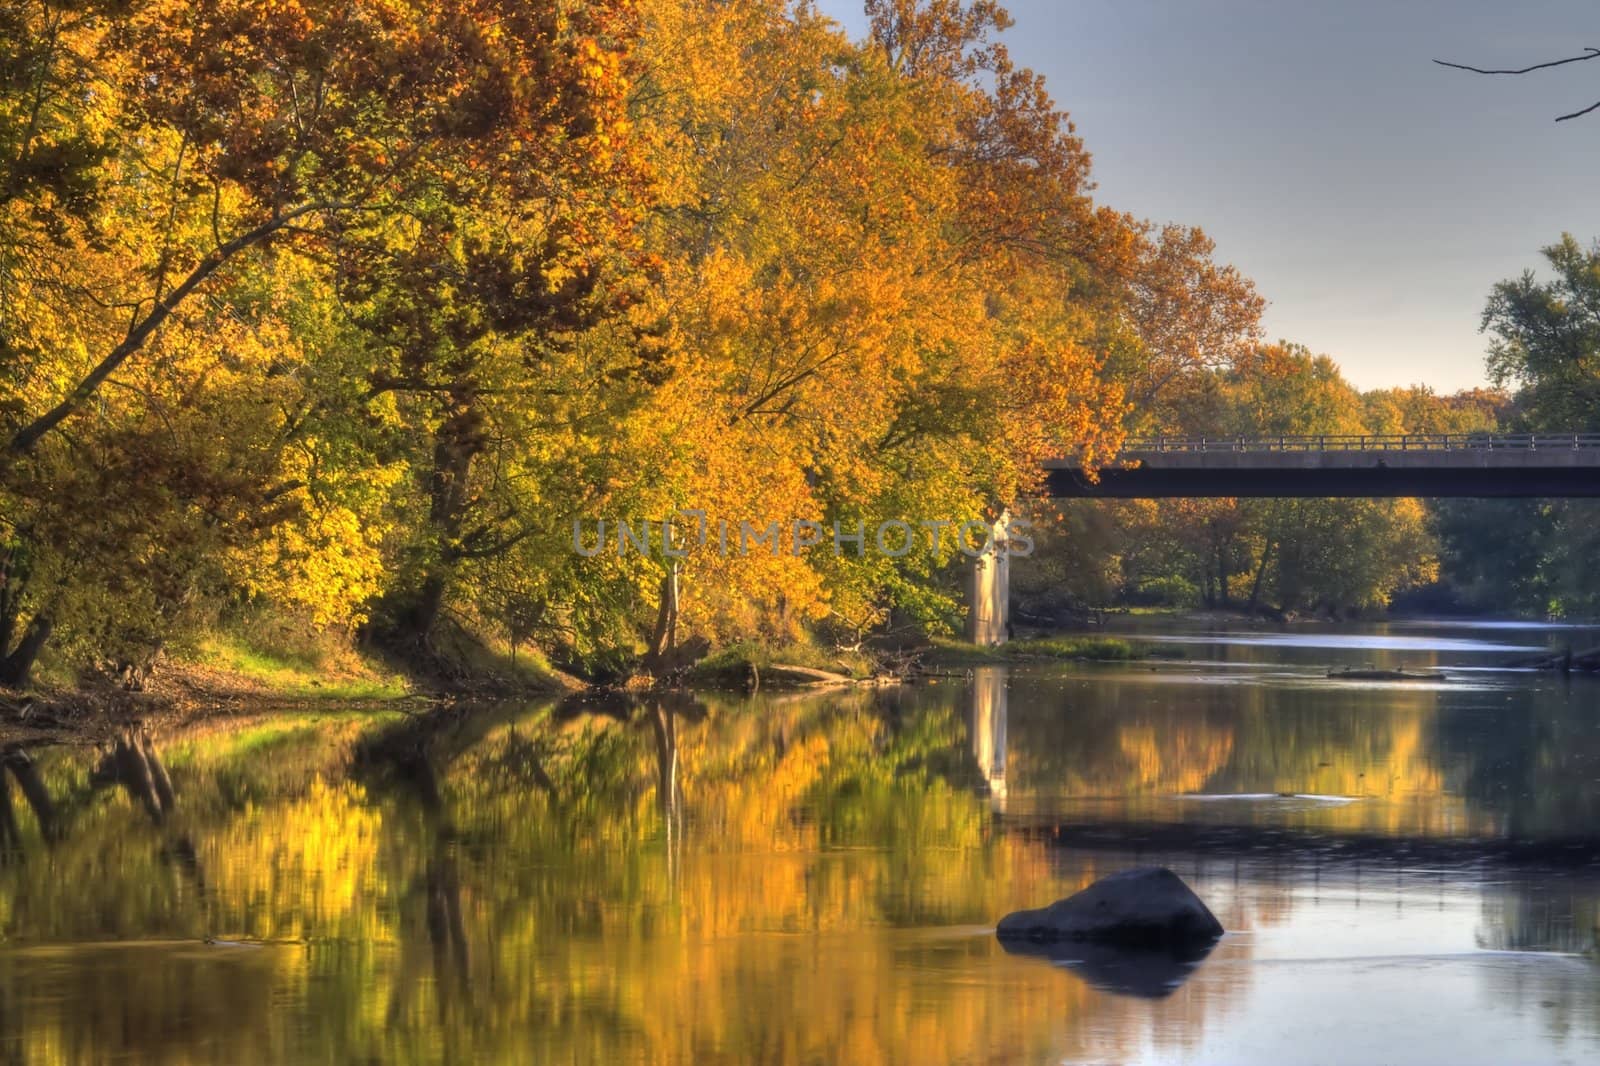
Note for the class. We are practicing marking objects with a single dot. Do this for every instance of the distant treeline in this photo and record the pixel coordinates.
(1345, 557)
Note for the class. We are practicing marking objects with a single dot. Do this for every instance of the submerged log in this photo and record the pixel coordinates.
(1368, 674)
(1566, 661)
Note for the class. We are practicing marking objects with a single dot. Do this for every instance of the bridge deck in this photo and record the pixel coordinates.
(1435, 465)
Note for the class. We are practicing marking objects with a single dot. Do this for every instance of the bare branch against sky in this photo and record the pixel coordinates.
(1589, 53)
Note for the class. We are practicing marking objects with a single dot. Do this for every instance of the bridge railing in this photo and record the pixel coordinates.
(1353, 442)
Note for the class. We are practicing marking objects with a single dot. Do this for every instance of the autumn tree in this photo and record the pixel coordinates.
(876, 254)
(219, 140)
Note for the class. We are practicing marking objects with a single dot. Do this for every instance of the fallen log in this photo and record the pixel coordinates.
(785, 674)
(1386, 675)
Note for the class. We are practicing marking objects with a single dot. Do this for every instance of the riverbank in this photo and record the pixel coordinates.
(746, 666)
(184, 694)
(238, 672)
(229, 674)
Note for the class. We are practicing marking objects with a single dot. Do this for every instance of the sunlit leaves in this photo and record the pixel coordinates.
(352, 308)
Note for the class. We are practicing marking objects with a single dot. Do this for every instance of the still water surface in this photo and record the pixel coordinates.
(1410, 872)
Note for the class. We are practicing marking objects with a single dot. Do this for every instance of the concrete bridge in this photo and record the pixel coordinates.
(1483, 465)
(1475, 465)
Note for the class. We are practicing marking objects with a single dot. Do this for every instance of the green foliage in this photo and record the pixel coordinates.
(1171, 590)
(1095, 649)
(1536, 556)
(1546, 339)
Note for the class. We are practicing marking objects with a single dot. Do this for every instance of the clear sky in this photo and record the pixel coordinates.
(1373, 196)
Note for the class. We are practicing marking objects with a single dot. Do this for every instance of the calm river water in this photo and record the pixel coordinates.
(1409, 872)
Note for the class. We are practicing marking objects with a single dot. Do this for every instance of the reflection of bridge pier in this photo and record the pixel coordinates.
(986, 728)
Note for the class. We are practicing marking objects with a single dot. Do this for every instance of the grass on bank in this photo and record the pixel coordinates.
(1079, 649)
(269, 657)
(731, 666)
(333, 673)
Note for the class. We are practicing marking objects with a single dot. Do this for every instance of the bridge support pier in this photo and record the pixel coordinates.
(989, 590)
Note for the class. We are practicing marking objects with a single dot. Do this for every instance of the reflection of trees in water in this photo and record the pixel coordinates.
(401, 765)
(1547, 912)
(518, 862)
(1543, 911)
(130, 760)
(1134, 737)
(133, 763)
(1532, 756)
(797, 816)
(19, 765)
(625, 881)
(1076, 740)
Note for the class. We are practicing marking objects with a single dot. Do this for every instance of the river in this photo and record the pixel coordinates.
(1409, 871)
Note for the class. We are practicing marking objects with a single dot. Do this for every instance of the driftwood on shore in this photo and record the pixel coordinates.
(1566, 661)
(789, 676)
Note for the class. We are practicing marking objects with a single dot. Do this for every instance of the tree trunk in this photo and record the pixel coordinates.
(665, 636)
(415, 610)
(17, 668)
(13, 578)
(1261, 570)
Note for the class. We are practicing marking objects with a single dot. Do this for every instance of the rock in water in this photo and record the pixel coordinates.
(1145, 907)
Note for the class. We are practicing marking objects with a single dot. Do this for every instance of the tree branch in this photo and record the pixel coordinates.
(1579, 114)
(142, 329)
(1589, 53)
